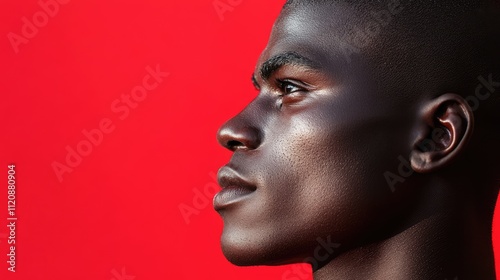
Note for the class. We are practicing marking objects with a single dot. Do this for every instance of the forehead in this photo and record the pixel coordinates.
(319, 32)
(314, 16)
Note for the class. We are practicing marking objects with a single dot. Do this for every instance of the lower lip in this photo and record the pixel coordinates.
(230, 195)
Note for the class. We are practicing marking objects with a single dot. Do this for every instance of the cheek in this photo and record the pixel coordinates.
(321, 175)
(330, 173)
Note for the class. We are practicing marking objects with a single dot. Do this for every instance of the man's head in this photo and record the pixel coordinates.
(363, 107)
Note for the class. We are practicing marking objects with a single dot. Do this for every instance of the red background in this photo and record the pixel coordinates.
(119, 208)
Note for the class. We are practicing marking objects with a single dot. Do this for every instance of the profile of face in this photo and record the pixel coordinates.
(331, 117)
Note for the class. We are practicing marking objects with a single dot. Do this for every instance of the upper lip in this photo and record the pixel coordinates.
(227, 177)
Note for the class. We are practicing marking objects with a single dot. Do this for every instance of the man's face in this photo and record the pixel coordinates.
(311, 149)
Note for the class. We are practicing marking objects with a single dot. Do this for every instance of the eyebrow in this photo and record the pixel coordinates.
(276, 62)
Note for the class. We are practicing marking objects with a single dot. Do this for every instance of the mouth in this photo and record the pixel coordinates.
(234, 189)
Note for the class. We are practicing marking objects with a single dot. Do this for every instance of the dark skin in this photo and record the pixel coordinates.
(311, 151)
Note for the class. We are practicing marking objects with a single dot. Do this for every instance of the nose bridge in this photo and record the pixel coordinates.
(243, 131)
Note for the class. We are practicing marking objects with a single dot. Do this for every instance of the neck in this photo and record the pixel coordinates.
(454, 242)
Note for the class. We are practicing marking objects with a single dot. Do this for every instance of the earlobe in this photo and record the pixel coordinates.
(447, 124)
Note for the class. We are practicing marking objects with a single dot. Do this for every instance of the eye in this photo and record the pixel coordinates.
(291, 92)
(287, 87)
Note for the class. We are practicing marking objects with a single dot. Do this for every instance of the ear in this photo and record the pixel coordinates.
(447, 123)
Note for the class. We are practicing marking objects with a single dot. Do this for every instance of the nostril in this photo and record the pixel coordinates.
(233, 144)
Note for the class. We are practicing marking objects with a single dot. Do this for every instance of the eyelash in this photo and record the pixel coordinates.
(282, 85)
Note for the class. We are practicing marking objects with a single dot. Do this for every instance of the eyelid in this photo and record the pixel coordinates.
(299, 84)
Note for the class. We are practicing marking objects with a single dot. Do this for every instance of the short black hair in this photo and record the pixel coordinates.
(449, 43)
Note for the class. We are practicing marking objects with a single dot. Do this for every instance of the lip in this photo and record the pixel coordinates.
(234, 189)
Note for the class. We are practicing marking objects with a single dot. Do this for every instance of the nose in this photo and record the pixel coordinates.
(238, 134)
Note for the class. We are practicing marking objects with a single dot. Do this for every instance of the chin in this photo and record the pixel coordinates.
(240, 250)
(241, 256)
(255, 249)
